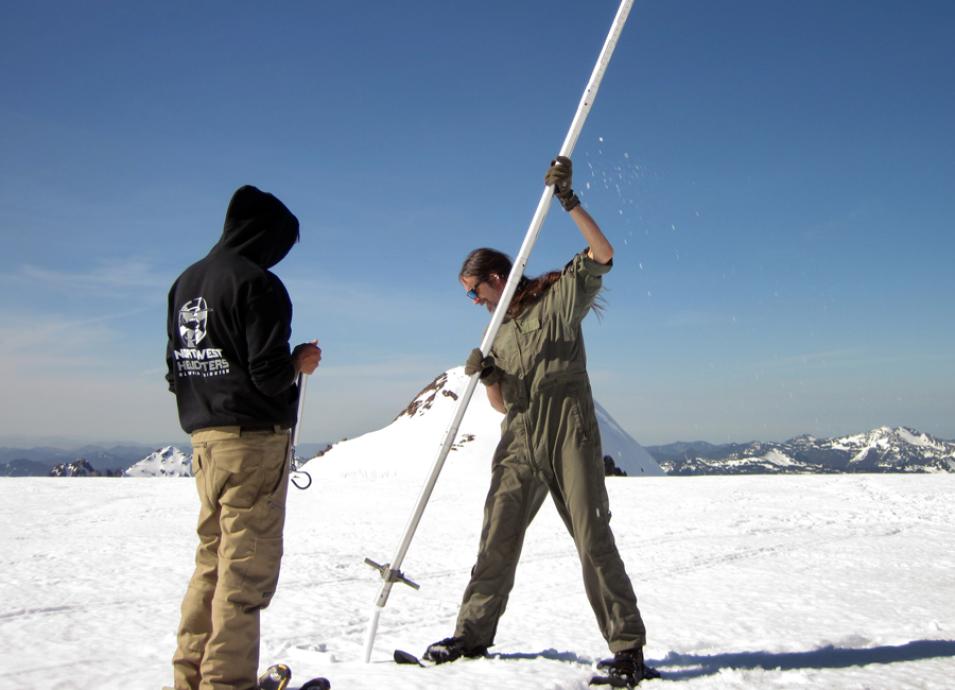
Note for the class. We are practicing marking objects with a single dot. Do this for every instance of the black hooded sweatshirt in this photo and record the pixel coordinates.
(230, 320)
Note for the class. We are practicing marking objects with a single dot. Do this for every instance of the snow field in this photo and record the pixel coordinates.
(835, 581)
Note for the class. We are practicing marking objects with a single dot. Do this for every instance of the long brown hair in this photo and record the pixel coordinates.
(482, 263)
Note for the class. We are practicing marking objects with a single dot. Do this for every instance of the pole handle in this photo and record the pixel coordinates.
(389, 574)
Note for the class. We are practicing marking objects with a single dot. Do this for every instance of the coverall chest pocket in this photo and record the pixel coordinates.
(528, 326)
(529, 336)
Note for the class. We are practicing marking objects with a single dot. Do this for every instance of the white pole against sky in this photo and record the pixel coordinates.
(391, 573)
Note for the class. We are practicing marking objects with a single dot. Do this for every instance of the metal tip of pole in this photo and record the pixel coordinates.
(370, 633)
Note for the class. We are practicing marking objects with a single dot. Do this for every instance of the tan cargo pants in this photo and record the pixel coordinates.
(242, 479)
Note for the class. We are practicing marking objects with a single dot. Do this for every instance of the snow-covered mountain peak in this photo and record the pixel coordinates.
(917, 438)
(885, 437)
(414, 437)
(445, 385)
(165, 462)
(802, 440)
(78, 468)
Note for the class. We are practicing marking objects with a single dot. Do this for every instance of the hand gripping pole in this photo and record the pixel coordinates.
(391, 574)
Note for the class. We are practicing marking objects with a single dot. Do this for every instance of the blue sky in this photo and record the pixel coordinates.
(778, 179)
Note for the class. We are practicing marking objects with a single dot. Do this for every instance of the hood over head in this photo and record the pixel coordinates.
(258, 226)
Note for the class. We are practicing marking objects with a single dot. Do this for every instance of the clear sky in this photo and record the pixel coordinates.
(778, 179)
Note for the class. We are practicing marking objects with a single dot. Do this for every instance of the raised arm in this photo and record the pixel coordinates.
(560, 175)
(601, 250)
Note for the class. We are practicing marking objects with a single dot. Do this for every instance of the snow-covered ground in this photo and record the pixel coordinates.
(836, 581)
(780, 581)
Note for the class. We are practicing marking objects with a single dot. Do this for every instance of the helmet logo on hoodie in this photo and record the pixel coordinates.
(193, 318)
(192, 360)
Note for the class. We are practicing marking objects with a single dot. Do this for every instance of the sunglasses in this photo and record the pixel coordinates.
(472, 293)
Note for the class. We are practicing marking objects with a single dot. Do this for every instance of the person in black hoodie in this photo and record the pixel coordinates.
(230, 366)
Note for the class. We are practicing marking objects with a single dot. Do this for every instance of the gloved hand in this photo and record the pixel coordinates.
(490, 372)
(561, 175)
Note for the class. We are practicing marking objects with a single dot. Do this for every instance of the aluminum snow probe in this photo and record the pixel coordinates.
(390, 572)
(294, 471)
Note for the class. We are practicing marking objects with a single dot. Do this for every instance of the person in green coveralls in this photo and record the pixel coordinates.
(536, 375)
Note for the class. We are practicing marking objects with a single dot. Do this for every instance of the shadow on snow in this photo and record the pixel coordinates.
(550, 654)
(824, 657)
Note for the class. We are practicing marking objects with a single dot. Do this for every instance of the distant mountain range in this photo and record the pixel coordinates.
(39, 460)
(104, 461)
(884, 449)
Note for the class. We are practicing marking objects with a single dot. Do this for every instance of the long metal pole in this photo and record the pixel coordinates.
(391, 573)
(300, 380)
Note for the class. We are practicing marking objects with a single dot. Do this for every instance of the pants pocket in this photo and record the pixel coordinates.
(268, 556)
(253, 572)
(253, 470)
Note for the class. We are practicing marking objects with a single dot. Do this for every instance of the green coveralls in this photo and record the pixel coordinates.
(550, 443)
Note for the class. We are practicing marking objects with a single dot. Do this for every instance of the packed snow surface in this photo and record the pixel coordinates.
(817, 581)
(778, 581)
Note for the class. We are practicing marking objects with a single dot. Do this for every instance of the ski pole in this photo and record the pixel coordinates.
(293, 469)
(390, 572)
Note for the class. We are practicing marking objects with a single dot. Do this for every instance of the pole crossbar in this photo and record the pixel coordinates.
(390, 572)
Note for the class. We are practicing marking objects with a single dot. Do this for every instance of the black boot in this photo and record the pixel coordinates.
(627, 668)
(451, 648)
